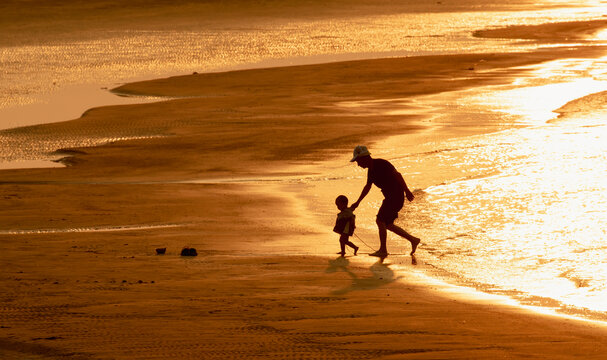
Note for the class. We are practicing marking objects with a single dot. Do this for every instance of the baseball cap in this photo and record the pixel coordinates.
(359, 151)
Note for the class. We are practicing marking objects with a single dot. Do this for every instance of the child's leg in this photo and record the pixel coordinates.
(343, 240)
(350, 244)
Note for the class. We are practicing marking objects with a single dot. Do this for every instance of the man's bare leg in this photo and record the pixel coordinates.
(383, 235)
(400, 231)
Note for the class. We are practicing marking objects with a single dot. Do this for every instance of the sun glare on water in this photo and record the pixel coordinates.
(523, 211)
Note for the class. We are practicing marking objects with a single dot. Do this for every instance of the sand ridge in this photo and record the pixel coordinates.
(574, 31)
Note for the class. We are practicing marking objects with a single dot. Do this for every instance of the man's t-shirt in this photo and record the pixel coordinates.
(385, 176)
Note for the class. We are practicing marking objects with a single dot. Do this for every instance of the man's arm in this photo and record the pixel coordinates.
(408, 192)
(364, 193)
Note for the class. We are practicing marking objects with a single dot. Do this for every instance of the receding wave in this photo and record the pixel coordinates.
(87, 229)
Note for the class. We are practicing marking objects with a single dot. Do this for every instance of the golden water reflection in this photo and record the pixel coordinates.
(125, 55)
(522, 210)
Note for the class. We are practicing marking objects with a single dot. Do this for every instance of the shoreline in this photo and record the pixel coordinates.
(126, 300)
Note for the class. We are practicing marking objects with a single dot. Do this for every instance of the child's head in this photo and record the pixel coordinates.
(341, 202)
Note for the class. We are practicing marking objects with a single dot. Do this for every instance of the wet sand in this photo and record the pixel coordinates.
(265, 283)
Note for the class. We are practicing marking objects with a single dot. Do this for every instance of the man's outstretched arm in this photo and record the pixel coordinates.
(364, 193)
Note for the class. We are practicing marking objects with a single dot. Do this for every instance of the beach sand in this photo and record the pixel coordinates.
(85, 282)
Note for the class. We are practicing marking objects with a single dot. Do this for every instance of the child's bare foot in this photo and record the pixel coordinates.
(414, 244)
(355, 250)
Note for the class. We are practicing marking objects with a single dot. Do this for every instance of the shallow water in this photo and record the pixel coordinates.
(33, 72)
(530, 216)
(521, 211)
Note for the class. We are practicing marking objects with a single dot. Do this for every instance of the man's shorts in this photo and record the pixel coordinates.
(388, 212)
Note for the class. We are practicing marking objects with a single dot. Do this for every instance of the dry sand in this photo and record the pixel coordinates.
(98, 291)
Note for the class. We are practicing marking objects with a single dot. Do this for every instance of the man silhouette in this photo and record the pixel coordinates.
(394, 188)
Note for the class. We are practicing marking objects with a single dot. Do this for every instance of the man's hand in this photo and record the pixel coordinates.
(410, 196)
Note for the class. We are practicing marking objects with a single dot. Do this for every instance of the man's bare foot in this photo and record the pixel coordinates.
(356, 249)
(341, 253)
(379, 253)
(414, 244)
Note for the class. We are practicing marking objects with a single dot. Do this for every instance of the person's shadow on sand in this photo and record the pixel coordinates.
(381, 275)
